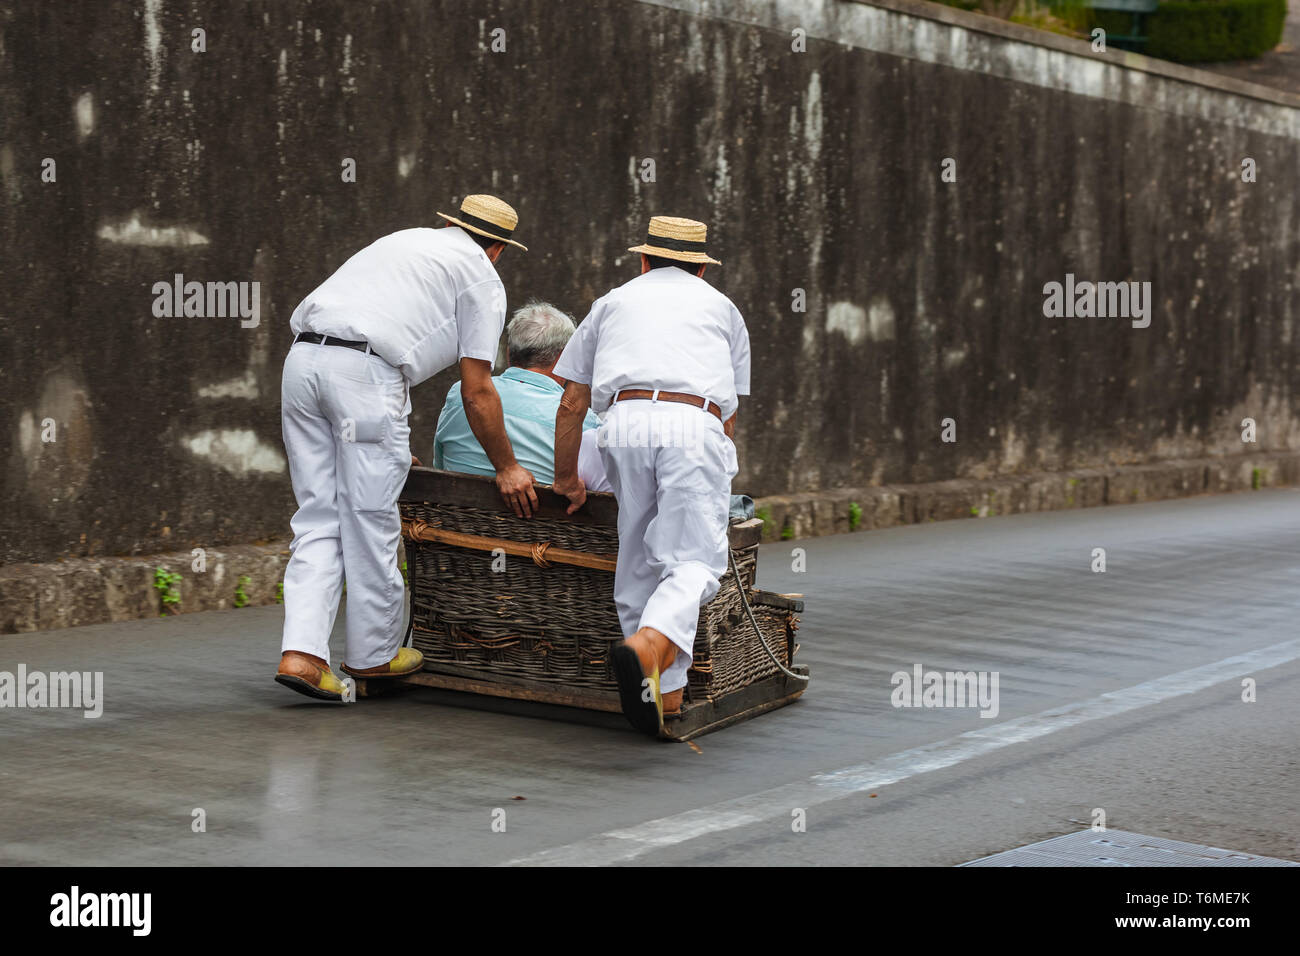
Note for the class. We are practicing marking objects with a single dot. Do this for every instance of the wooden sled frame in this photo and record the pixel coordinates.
(459, 686)
(541, 701)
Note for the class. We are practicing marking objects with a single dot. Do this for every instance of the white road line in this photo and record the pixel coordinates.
(617, 846)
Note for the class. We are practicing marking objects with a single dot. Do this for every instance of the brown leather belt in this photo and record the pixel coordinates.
(682, 398)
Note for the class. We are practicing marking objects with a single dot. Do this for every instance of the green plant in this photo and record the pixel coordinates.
(787, 531)
(855, 515)
(279, 592)
(974, 512)
(241, 598)
(406, 581)
(166, 584)
(1202, 31)
(1066, 17)
(1256, 479)
(765, 515)
(1058, 16)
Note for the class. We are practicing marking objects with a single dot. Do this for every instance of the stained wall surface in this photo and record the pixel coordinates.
(821, 173)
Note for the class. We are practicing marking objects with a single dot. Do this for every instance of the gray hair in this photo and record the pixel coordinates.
(537, 334)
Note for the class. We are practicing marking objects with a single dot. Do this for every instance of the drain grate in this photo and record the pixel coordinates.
(1121, 848)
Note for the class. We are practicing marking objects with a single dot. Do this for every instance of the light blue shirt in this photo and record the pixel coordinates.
(529, 401)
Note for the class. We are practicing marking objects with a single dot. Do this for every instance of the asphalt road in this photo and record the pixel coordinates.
(1119, 690)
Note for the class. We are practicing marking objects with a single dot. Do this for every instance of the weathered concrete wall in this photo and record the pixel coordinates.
(818, 171)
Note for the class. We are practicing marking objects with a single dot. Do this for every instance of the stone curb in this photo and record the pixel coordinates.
(38, 597)
(812, 514)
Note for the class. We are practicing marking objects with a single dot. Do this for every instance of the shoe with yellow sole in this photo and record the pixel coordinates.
(638, 662)
(310, 675)
(407, 661)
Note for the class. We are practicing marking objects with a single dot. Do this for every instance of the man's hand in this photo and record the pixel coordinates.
(515, 482)
(729, 426)
(574, 490)
(414, 461)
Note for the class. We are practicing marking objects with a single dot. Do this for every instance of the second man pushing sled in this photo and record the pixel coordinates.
(666, 357)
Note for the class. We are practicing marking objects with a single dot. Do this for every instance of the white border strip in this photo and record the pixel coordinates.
(881, 30)
(617, 846)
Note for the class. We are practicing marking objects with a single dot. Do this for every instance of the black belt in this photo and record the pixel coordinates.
(315, 339)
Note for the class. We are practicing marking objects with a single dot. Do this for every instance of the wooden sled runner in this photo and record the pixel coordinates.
(523, 609)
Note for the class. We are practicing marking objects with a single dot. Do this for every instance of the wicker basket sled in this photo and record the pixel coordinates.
(524, 608)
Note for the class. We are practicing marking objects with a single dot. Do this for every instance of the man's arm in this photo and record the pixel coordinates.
(569, 419)
(486, 421)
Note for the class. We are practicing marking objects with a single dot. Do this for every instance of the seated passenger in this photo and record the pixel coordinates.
(530, 396)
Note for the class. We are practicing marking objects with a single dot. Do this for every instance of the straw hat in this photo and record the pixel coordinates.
(487, 216)
(673, 238)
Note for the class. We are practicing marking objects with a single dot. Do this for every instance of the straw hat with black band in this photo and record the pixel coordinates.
(671, 238)
(487, 216)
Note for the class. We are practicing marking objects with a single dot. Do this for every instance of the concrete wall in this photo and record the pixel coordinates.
(817, 170)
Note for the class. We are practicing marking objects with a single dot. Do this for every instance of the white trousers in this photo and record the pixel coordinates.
(671, 467)
(345, 431)
(591, 467)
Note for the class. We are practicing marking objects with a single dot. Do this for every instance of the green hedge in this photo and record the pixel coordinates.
(1202, 31)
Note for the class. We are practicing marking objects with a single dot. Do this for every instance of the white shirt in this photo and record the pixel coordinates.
(665, 329)
(422, 298)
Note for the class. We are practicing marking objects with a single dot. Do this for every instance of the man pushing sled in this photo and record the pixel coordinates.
(399, 311)
(666, 356)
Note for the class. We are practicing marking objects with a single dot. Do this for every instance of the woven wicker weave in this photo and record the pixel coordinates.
(555, 624)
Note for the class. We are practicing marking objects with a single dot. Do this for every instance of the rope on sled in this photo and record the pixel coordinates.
(758, 632)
